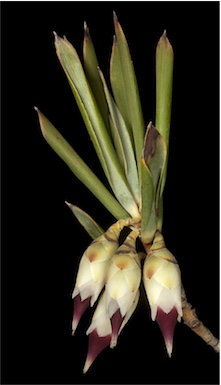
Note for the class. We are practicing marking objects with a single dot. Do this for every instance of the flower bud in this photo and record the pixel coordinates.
(162, 282)
(93, 268)
(122, 283)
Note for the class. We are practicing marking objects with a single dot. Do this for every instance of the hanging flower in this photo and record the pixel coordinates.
(100, 330)
(93, 268)
(162, 282)
(91, 274)
(123, 281)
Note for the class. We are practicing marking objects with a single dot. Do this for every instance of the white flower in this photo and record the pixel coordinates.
(100, 330)
(91, 275)
(123, 281)
(162, 282)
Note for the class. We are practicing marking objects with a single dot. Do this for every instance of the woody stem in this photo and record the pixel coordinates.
(190, 319)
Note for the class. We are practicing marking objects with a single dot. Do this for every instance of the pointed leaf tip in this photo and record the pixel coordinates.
(115, 17)
(56, 37)
(86, 31)
(89, 224)
(165, 43)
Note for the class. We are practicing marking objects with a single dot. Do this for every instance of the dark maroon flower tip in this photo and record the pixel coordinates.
(167, 323)
(95, 346)
(79, 309)
(116, 321)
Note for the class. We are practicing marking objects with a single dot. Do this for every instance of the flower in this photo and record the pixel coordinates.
(100, 330)
(122, 283)
(162, 282)
(91, 274)
(93, 267)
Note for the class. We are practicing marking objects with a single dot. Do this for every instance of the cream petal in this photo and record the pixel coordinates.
(97, 288)
(117, 286)
(83, 274)
(166, 300)
(153, 290)
(98, 270)
(111, 305)
(130, 311)
(125, 302)
(133, 277)
(169, 275)
(100, 320)
(86, 290)
(151, 266)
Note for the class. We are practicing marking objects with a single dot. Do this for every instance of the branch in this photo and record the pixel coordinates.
(190, 319)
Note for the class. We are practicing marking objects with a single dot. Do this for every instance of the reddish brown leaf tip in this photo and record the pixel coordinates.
(164, 42)
(115, 16)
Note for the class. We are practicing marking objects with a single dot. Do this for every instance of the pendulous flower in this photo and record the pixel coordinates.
(100, 330)
(93, 268)
(162, 282)
(122, 283)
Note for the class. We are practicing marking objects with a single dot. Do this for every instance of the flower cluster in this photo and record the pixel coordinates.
(111, 273)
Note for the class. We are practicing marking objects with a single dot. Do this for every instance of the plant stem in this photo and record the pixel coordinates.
(192, 321)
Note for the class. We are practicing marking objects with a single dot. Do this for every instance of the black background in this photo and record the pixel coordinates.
(42, 241)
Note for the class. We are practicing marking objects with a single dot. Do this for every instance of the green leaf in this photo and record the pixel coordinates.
(79, 167)
(118, 85)
(123, 143)
(67, 54)
(91, 71)
(164, 84)
(95, 124)
(152, 166)
(118, 145)
(93, 229)
(131, 92)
